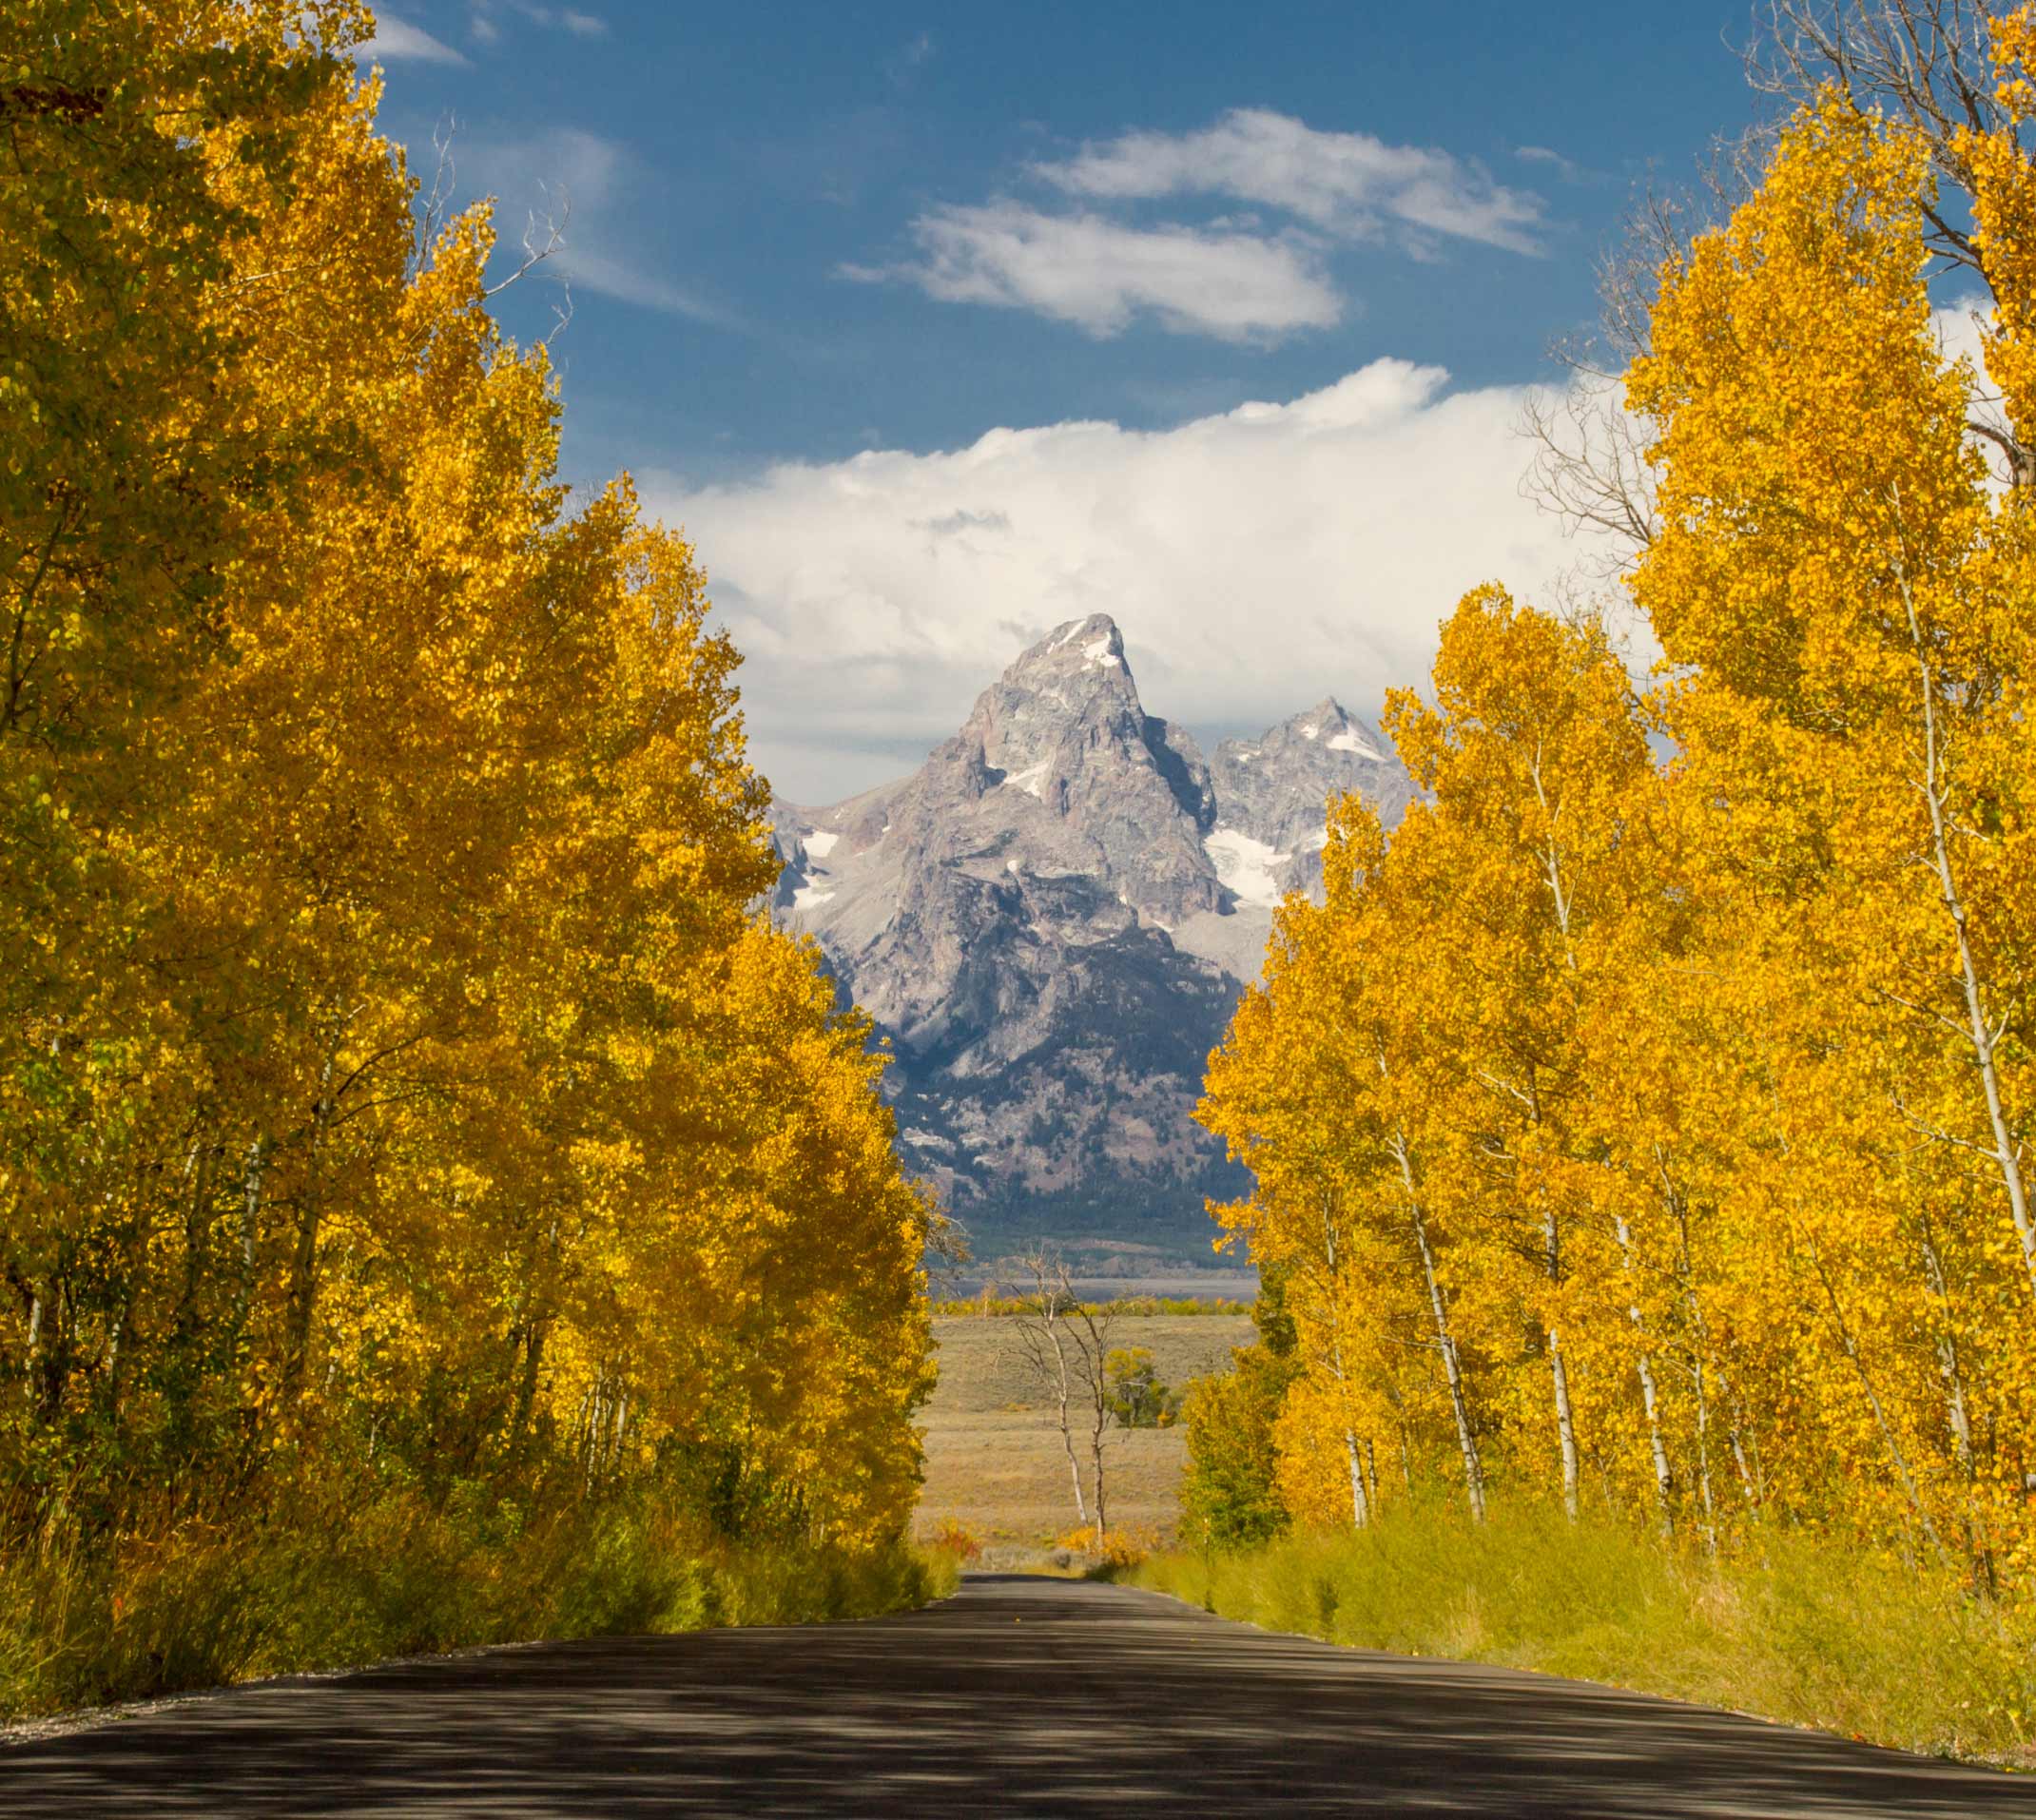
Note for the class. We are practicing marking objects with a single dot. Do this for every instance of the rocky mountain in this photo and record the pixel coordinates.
(1051, 919)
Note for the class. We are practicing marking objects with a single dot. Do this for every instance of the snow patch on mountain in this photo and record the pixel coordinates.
(1246, 865)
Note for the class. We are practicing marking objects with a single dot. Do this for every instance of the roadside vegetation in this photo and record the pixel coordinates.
(1639, 1139)
(342, 1587)
(1803, 1629)
(435, 1205)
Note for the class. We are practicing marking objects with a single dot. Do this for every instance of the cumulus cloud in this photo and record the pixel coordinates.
(393, 41)
(1348, 184)
(1254, 559)
(1102, 275)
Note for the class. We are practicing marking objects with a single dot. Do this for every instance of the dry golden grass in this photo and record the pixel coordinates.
(994, 1457)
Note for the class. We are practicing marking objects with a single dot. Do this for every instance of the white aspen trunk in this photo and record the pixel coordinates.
(1664, 1479)
(1663, 1483)
(1672, 1199)
(1565, 1423)
(1982, 1038)
(1371, 1473)
(251, 1181)
(1466, 1442)
(1748, 1488)
(1703, 1459)
(1360, 1505)
(1360, 1509)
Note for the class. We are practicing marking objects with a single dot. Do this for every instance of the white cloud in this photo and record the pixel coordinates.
(1348, 184)
(393, 41)
(1102, 275)
(1255, 560)
(1234, 278)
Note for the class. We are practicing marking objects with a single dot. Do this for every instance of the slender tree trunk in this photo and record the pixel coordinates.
(254, 1174)
(1067, 1433)
(1984, 1038)
(1747, 1487)
(1956, 1415)
(1686, 1272)
(1565, 1423)
(1096, 1453)
(1664, 1480)
(1704, 1457)
(1445, 1341)
(35, 1342)
(1360, 1505)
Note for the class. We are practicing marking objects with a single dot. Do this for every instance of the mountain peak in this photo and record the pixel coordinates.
(1074, 646)
(1072, 692)
(1052, 918)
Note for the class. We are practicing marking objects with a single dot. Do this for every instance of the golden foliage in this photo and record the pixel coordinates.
(1650, 1128)
(398, 1083)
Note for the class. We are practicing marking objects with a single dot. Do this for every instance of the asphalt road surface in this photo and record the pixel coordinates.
(1018, 1697)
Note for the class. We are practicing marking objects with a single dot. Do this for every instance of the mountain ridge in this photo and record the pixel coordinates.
(1050, 920)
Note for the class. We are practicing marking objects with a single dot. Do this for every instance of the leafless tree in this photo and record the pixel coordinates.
(1066, 1342)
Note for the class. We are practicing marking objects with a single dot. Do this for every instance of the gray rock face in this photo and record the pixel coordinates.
(1050, 920)
(1274, 789)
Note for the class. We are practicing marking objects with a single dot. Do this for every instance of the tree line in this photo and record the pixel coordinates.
(1645, 1126)
(400, 1094)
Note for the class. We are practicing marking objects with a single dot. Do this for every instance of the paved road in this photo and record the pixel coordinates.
(1019, 1696)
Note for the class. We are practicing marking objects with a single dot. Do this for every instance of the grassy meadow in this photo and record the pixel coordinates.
(995, 1463)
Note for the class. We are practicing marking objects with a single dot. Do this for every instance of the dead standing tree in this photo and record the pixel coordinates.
(1066, 1342)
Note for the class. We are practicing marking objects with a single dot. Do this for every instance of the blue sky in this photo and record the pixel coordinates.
(936, 327)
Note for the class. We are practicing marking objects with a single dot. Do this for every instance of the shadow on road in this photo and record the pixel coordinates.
(1019, 1696)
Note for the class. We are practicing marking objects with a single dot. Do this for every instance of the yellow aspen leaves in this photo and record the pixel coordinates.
(1695, 1024)
(398, 1083)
